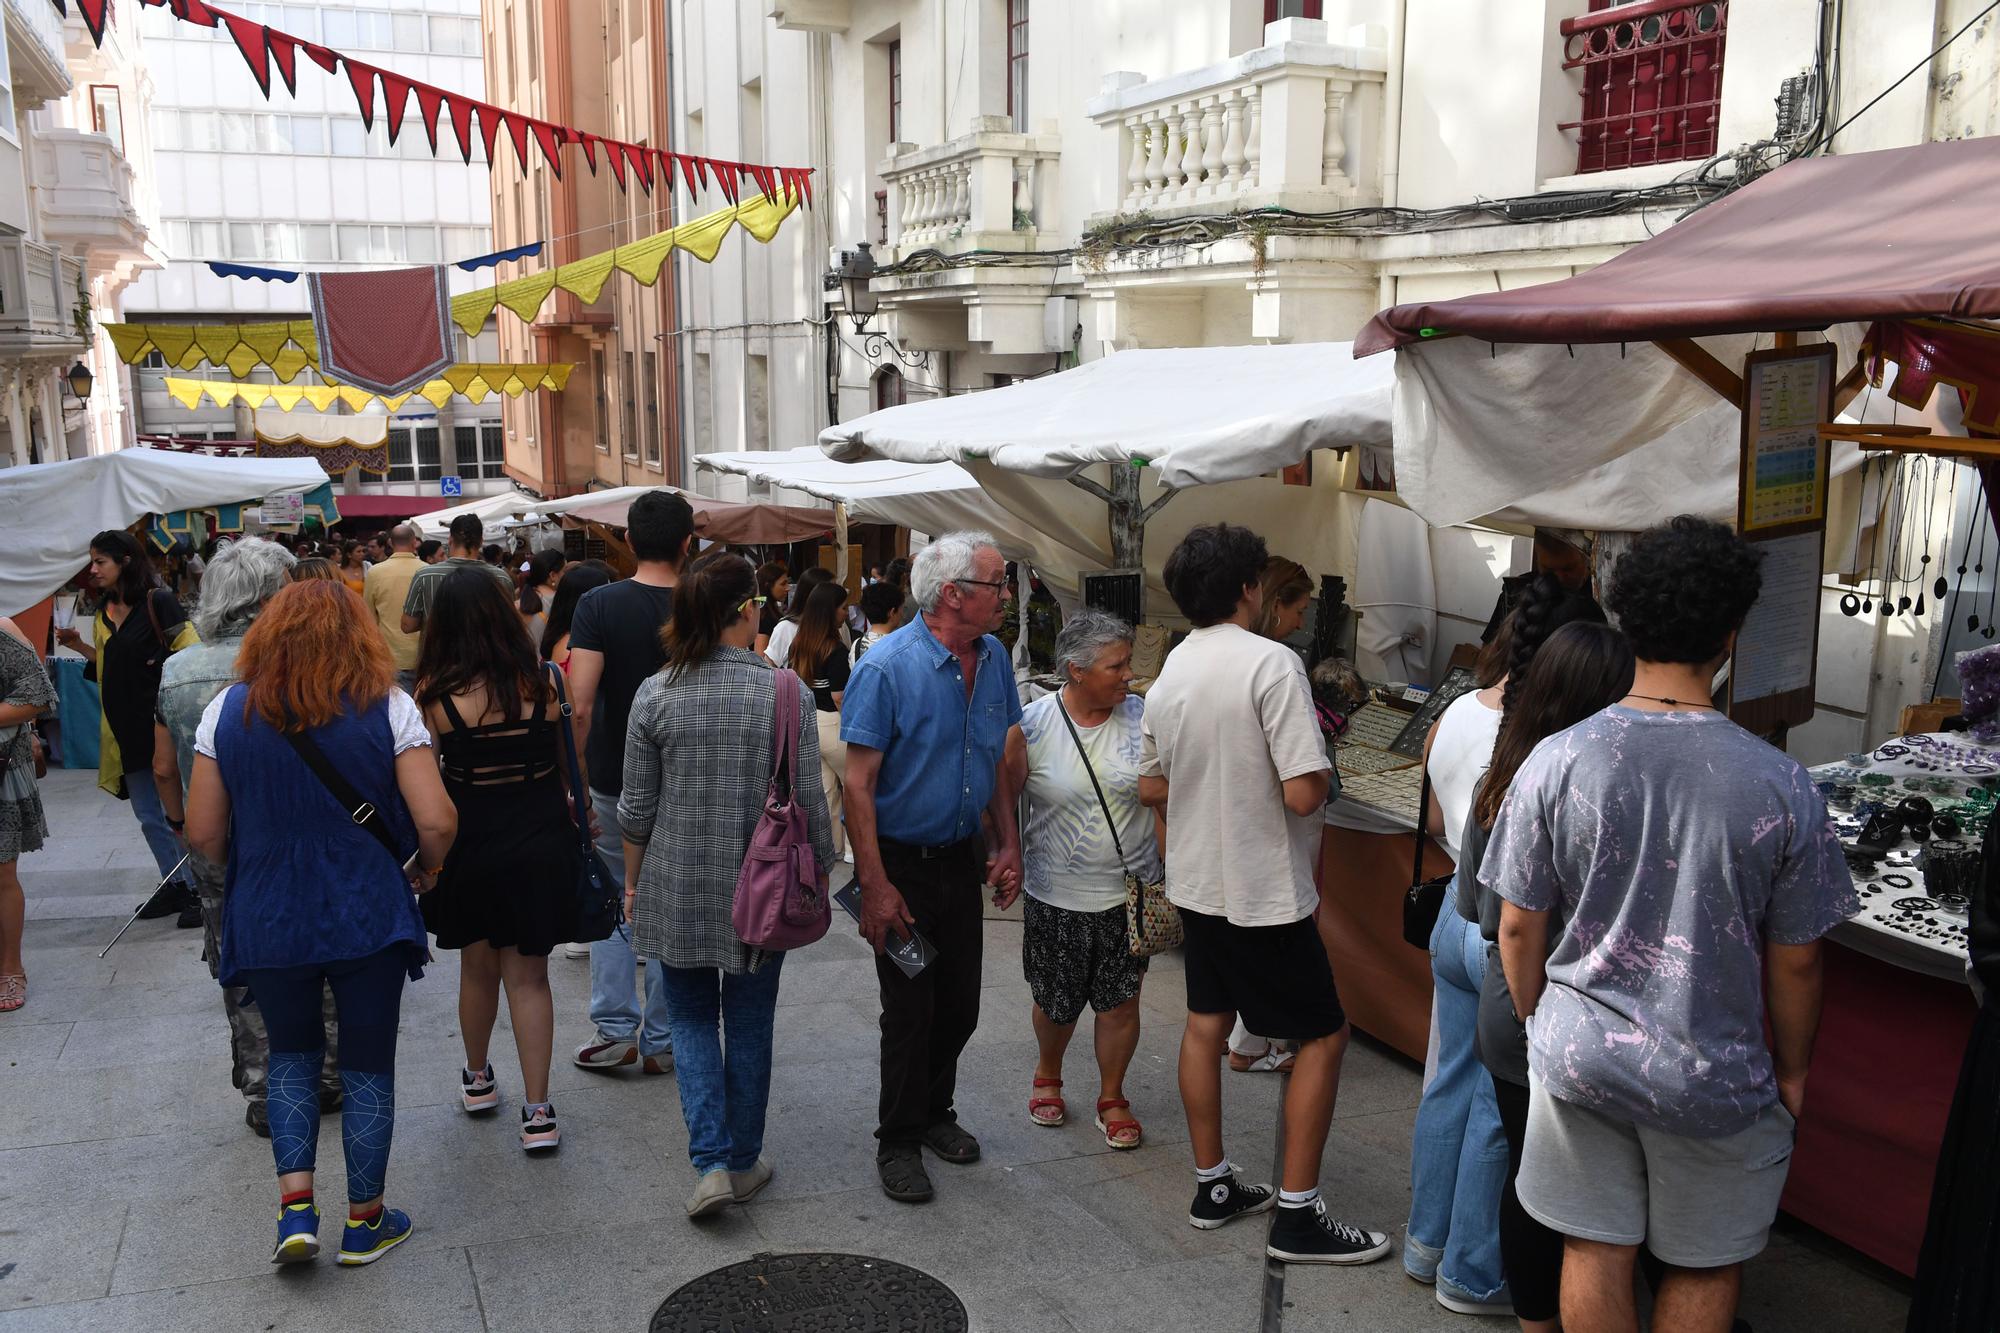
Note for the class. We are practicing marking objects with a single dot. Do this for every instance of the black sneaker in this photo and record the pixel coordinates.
(258, 1117)
(1221, 1201)
(1309, 1236)
(190, 917)
(167, 900)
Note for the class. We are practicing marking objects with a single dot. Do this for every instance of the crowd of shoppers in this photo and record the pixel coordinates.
(1641, 885)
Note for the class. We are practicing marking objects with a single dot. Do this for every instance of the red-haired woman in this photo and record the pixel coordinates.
(311, 896)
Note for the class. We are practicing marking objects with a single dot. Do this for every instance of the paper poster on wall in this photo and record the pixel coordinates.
(1786, 396)
(1776, 647)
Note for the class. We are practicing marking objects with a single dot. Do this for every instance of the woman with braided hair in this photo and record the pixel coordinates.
(1458, 1160)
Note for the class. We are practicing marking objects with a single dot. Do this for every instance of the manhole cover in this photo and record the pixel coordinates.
(803, 1293)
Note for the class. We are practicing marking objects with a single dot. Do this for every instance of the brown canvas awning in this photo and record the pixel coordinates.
(1819, 241)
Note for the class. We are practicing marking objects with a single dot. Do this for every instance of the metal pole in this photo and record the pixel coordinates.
(142, 906)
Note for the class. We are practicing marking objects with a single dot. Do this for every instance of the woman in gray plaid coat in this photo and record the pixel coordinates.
(697, 767)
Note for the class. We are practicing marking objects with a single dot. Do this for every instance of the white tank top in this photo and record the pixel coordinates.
(1459, 757)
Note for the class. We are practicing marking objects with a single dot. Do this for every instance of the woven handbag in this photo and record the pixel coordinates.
(1152, 924)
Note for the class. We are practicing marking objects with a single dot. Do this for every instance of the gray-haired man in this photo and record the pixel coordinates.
(925, 717)
(240, 579)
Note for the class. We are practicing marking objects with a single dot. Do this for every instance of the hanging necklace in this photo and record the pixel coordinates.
(1930, 509)
(1671, 703)
(1850, 601)
(1874, 532)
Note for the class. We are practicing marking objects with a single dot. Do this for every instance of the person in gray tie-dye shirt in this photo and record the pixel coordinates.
(1695, 870)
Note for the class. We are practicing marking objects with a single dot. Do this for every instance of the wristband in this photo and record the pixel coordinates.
(175, 824)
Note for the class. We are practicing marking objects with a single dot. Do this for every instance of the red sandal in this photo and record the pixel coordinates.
(1038, 1107)
(1122, 1134)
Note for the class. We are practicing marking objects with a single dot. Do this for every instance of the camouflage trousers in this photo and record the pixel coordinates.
(249, 1044)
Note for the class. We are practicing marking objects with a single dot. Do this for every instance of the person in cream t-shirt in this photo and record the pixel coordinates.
(1232, 751)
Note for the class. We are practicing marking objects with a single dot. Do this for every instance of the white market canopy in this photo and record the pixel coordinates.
(932, 498)
(497, 513)
(50, 511)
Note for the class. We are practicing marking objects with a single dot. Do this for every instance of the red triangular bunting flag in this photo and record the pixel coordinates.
(687, 171)
(701, 165)
(285, 55)
(642, 165)
(490, 118)
(461, 123)
(93, 12)
(762, 175)
(589, 143)
(325, 59)
(190, 11)
(429, 99)
(550, 137)
(517, 130)
(726, 180)
(616, 158)
(363, 78)
(397, 90)
(806, 184)
(250, 41)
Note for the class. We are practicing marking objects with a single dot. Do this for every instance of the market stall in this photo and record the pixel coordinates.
(1488, 389)
(714, 520)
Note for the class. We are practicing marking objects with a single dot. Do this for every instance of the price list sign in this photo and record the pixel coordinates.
(1787, 394)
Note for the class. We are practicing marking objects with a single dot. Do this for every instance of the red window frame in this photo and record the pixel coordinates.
(1308, 9)
(1017, 64)
(1651, 72)
(896, 91)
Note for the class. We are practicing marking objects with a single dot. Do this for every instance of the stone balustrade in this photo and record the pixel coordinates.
(1293, 123)
(992, 189)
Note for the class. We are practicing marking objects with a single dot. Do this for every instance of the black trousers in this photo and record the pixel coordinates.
(927, 1019)
(1531, 1253)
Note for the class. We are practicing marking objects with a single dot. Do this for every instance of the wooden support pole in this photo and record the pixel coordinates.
(1696, 360)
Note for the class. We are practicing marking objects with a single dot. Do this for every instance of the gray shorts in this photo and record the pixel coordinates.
(1695, 1203)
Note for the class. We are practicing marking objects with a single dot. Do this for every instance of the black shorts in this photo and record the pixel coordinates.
(1275, 978)
(1075, 958)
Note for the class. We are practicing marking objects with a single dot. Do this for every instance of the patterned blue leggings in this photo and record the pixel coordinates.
(368, 993)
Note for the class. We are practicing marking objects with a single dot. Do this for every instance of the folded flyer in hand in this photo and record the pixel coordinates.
(913, 953)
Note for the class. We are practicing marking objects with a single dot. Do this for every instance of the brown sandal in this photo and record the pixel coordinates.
(13, 992)
(1120, 1134)
(1038, 1107)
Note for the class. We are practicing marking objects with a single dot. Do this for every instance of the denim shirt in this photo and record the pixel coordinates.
(940, 751)
(190, 678)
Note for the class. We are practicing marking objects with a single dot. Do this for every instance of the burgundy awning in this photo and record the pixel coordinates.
(389, 506)
(1819, 241)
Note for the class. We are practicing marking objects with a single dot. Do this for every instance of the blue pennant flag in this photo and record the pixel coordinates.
(223, 270)
(500, 257)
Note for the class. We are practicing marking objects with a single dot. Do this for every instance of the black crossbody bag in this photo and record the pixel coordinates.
(1425, 897)
(359, 809)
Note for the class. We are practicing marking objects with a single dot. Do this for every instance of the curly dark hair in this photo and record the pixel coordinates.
(1681, 589)
(1545, 607)
(1208, 571)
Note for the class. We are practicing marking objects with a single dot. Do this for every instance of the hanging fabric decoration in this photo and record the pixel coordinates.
(387, 329)
(1929, 352)
(476, 381)
(276, 426)
(223, 269)
(94, 13)
(289, 346)
(336, 459)
(263, 46)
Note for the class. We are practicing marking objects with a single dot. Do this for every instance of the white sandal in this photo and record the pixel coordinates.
(1275, 1060)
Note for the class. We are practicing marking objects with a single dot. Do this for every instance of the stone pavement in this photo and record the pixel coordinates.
(132, 1196)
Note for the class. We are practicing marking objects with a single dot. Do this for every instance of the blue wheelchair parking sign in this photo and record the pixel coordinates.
(451, 486)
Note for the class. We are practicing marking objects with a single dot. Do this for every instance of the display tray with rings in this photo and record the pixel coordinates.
(1911, 816)
(1356, 760)
(1395, 792)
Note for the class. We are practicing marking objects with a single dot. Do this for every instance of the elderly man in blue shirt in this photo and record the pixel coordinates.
(925, 718)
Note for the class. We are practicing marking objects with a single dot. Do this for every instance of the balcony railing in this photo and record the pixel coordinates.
(35, 38)
(1652, 82)
(88, 194)
(1281, 125)
(38, 286)
(990, 190)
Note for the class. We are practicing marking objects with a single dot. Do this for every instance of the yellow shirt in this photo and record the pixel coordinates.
(387, 586)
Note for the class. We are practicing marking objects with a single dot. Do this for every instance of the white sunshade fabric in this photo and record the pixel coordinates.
(1194, 415)
(496, 512)
(50, 511)
(932, 498)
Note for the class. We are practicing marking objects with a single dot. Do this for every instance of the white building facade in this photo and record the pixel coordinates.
(1047, 182)
(301, 183)
(79, 221)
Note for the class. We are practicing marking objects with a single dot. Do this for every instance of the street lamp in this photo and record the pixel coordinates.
(852, 273)
(80, 380)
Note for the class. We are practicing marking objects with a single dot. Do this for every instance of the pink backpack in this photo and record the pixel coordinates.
(781, 899)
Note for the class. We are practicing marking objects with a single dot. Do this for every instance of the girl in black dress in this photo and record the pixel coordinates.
(504, 897)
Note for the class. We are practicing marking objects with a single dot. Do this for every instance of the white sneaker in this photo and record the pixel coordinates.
(598, 1053)
(744, 1185)
(712, 1195)
(576, 951)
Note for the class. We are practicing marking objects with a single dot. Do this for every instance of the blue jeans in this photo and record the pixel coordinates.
(1458, 1161)
(723, 1096)
(614, 1001)
(166, 849)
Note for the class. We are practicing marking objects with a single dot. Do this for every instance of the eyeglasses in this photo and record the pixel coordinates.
(996, 584)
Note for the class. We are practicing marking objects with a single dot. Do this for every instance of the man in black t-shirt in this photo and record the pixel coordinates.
(615, 645)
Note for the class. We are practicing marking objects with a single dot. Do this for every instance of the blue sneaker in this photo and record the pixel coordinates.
(365, 1242)
(298, 1234)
